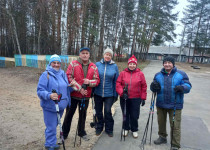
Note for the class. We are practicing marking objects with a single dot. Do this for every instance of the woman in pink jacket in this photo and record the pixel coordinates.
(136, 95)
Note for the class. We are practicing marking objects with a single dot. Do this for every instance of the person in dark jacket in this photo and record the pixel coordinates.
(137, 94)
(53, 79)
(85, 75)
(105, 93)
(170, 84)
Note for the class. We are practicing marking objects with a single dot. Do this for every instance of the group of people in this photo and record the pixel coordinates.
(102, 80)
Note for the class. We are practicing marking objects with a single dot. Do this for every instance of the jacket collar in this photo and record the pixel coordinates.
(109, 62)
(136, 70)
(172, 71)
(80, 61)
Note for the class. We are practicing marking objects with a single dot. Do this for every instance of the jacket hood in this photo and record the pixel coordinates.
(52, 71)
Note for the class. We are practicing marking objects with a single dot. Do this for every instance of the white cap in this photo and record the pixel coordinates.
(108, 50)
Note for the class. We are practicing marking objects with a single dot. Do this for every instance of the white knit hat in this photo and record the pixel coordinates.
(54, 57)
(108, 50)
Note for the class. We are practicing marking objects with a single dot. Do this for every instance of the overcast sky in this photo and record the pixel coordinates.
(179, 8)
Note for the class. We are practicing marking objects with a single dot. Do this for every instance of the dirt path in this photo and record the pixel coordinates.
(21, 117)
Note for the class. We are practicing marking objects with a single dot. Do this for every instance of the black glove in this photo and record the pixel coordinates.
(155, 86)
(84, 86)
(142, 102)
(125, 96)
(179, 88)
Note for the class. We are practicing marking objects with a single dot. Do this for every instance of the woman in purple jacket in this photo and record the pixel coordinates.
(53, 78)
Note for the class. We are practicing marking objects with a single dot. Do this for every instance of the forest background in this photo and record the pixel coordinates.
(127, 26)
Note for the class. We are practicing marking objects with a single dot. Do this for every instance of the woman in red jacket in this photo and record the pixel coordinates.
(137, 93)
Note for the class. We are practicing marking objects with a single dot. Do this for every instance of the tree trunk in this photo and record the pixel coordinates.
(84, 28)
(180, 50)
(64, 32)
(197, 31)
(40, 30)
(59, 9)
(101, 40)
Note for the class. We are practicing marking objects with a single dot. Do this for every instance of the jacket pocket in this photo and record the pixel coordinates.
(63, 104)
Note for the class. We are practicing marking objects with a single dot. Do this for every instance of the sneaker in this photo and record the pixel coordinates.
(98, 132)
(135, 134)
(85, 138)
(160, 140)
(52, 147)
(125, 132)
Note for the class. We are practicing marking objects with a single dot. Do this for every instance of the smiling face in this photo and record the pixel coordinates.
(56, 65)
(132, 66)
(84, 56)
(168, 66)
(107, 57)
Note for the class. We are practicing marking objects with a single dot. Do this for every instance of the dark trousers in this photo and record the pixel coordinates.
(70, 113)
(107, 118)
(132, 113)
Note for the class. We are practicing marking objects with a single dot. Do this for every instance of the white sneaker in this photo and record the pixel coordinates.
(125, 132)
(135, 134)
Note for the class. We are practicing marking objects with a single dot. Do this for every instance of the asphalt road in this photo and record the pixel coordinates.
(195, 130)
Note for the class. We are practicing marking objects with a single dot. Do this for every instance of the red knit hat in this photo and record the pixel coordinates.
(132, 60)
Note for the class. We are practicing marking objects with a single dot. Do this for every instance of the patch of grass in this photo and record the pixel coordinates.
(123, 65)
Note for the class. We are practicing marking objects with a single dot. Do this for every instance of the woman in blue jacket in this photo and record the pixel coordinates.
(105, 93)
(53, 78)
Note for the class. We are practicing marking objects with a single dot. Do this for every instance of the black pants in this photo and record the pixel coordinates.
(132, 113)
(70, 113)
(107, 118)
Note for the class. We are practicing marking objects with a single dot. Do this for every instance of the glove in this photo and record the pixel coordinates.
(179, 88)
(155, 86)
(142, 102)
(125, 96)
(84, 86)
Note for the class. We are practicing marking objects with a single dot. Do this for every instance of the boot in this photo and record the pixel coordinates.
(160, 140)
(98, 132)
(52, 147)
(174, 148)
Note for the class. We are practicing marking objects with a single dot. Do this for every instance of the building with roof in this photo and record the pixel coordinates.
(186, 55)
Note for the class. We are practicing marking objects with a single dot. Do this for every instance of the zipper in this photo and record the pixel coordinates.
(104, 79)
(130, 85)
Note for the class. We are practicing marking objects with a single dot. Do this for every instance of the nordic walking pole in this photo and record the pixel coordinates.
(125, 97)
(172, 132)
(144, 138)
(94, 123)
(59, 118)
(153, 103)
(84, 86)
